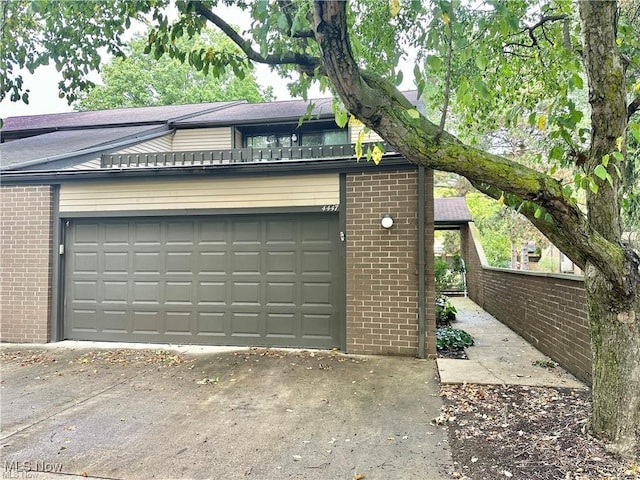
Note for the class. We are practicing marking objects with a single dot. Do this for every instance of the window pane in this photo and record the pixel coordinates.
(284, 140)
(335, 137)
(311, 139)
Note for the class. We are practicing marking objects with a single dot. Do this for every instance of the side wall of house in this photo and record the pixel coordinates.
(382, 265)
(25, 263)
(548, 310)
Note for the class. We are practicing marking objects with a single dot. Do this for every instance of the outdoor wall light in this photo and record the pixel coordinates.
(387, 221)
(294, 138)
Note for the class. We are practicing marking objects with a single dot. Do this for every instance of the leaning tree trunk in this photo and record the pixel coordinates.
(615, 341)
(614, 311)
(612, 271)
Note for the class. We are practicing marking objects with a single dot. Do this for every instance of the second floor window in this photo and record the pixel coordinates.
(300, 138)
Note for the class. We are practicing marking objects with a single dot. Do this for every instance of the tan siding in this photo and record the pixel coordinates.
(90, 165)
(160, 144)
(238, 138)
(202, 139)
(286, 191)
(370, 136)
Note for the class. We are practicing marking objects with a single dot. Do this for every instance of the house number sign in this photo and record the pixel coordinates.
(331, 208)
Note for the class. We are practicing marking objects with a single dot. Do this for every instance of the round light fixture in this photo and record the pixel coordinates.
(387, 221)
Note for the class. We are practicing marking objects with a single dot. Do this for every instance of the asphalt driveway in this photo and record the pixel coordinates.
(267, 414)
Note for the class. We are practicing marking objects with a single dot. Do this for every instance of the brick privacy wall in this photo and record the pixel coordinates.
(382, 265)
(473, 264)
(25, 263)
(547, 310)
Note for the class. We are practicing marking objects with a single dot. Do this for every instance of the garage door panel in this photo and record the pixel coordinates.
(212, 293)
(146, 322)
(245, 293)
(213, 324)
(279, 263)
(314, 262)
(115, 292)
(246, 232)
(146, 233)
(178, 323)
(281, 293)
(85, 262)
(146, 262)
(86, 320)
(280, 232)
(212, 232)
(85, 291)
(86, 235)
(180, 233)
(179, 293)
(212, 263)
(316, 231)
(146, 293)
(246, 263)
(116, 262)
(115, 321)
(233, 280)
(316, 294)
(245, 324)
(316, 326)
(179, 263)
(116, 234)
(281, 325)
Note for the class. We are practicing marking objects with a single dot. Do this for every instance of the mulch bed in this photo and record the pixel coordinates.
(519, 432)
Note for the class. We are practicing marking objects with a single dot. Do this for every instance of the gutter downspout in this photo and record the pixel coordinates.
(421, 263)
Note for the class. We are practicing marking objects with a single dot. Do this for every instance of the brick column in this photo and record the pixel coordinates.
(25, 263)
(382, 276)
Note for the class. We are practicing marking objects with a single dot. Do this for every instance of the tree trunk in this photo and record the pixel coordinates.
(594, 243)
(615, 343)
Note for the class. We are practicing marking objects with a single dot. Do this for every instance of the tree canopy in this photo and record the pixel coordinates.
(498, 65)
(138, 80)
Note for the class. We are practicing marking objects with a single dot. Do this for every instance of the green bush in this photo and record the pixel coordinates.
(445, 311)
(448, 337)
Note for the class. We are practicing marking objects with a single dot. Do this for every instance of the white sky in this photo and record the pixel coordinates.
(43, 84)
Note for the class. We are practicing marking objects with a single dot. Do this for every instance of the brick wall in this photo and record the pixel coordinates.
(548, 310)
(382, 265)
(25, 263)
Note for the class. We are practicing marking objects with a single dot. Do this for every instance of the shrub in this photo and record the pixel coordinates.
(445, 311)
(448, 337)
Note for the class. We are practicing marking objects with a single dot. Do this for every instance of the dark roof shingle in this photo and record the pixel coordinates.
(451, 210)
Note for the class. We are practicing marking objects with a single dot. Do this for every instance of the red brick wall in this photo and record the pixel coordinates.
(547, 310)
(382, 265)
(25, 263)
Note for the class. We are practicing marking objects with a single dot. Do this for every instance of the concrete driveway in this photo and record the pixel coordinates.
(115, 413)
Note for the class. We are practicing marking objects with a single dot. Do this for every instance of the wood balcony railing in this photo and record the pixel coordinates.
(236, 155)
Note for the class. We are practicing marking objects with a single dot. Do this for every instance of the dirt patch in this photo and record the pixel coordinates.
(524, 432)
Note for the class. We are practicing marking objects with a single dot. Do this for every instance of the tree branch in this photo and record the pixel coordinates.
(380, 106)
(306, 63)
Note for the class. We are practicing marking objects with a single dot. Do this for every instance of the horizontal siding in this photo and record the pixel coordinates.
(370, 136)
(160, 144)
(252, 192)
(202, 139)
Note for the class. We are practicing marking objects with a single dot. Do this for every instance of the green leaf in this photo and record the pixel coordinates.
(593, 186)
(482, 89)
(481, 62)
(601, 172)
(434, 62)
(618, 156)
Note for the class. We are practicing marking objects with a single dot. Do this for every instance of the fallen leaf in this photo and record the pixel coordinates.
(359, 476)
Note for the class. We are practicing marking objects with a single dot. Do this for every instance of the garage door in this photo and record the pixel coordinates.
(273, 280)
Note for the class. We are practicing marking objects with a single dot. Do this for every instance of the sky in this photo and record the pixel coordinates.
(43, 84)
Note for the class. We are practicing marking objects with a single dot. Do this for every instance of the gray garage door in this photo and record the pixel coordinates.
(273, 280)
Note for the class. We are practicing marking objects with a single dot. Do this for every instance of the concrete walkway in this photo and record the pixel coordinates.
(499, 355)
